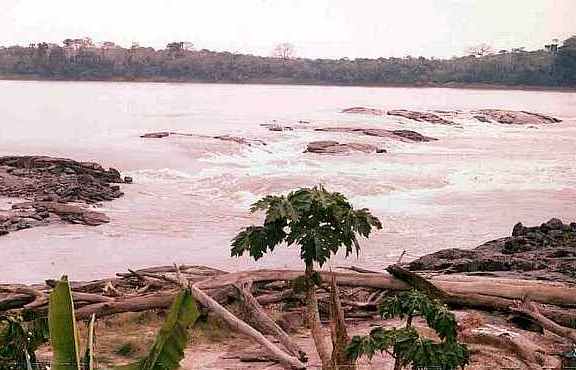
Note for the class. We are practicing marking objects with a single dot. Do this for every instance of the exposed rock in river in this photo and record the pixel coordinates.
(545, 252)
(420, 116)
(277, 127)
(402, 135)
(48, 184)
(364, 110)
(156, 135)
(484, 115)
(236, 139)
(511, 117)
(334, 147)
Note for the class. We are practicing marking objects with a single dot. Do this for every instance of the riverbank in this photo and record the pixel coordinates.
(288, 82)
(130, 306)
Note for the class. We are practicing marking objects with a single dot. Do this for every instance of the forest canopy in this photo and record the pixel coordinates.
(80, 59)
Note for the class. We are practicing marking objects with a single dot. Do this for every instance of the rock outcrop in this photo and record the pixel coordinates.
(504, 116)
(511, 117)
(420, 116)
(156, 135)
(364, 110)
(546, 252)
(334, 147)
(402, 135)
(277, 127)
(49, 185)
(236, 139)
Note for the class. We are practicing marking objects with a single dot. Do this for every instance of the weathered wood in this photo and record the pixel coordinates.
(417, 282)
(561, 295)
(132, 304)
(142, 293)
(265, 324)
(288, 361)
(527, 352)
(531, 310)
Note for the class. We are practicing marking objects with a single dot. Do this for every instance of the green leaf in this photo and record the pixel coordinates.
(63, 332)
(409, 349)
(168, 349)
(318, 221)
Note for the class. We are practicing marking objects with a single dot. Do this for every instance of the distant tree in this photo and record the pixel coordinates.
(78, 60)
(564, 67)
(175, 46)
(480, 50)
(284, 51)
(570, 42)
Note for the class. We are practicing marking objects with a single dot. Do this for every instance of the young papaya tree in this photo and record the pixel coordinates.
(165, 354)
(405, 344)
(317, 221)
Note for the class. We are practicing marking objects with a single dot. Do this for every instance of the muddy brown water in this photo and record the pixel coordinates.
(191, 194)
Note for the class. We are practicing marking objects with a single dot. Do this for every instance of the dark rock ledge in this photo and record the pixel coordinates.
(334, 147)
(545, 252)
(54, 190)
(235, 139)
(401, 135)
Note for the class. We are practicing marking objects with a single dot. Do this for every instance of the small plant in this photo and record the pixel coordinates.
(320, 223)
(127, 349)
(405, 344)
(19, 340)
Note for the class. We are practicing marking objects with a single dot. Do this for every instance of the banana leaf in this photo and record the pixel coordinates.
(168, 349)
(62, 324)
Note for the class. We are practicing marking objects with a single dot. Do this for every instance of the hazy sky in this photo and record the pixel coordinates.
(318, 28)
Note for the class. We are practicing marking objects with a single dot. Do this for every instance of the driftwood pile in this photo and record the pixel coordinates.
(551, 305)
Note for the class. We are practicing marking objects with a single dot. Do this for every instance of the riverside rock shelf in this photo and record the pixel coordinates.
(46, 190)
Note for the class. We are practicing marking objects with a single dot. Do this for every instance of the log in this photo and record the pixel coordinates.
(266, 325)
(560, 295)
(275, 297)
(206, 301)
(465, 291)
(527, 352)
(565, 317)
(417, 282)
(532, 311)
(133, 304)
(288, 361)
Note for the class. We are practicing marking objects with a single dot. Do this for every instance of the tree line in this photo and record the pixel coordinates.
(178, 62)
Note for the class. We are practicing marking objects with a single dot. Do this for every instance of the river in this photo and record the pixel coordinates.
(191, 195)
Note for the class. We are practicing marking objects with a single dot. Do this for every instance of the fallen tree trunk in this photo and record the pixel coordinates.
(266, 325)
(533, 312)
(134, 304)
(528, 352)
(284, 358)
(563, 296)
(143, 290)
